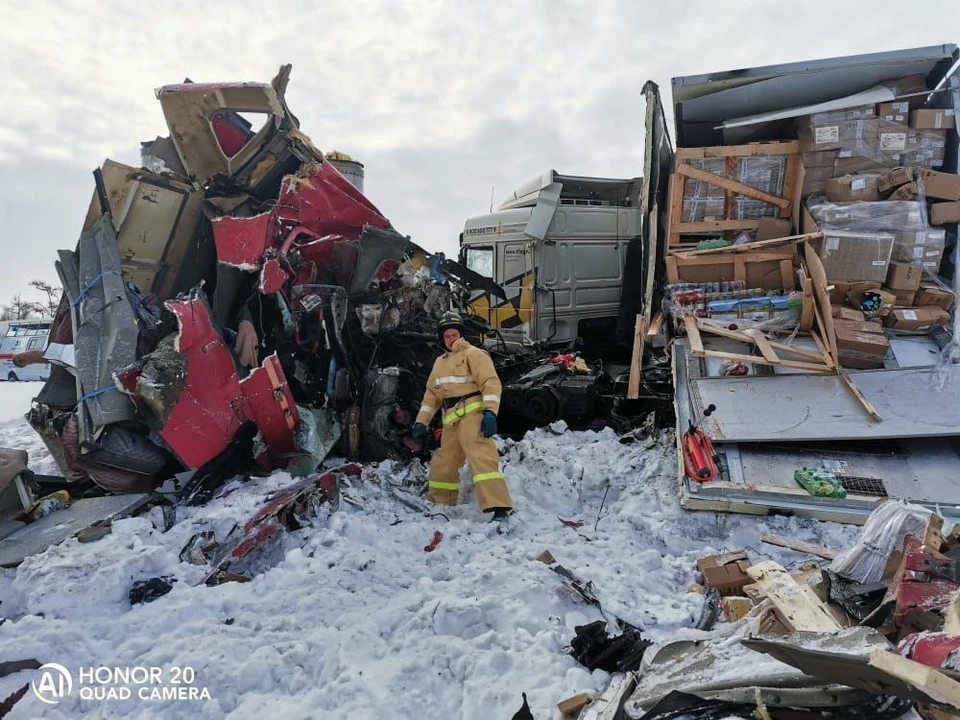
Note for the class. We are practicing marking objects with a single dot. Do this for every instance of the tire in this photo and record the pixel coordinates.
(12, 376)
(540, 406)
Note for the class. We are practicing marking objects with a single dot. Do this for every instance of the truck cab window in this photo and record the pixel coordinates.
(480, 260)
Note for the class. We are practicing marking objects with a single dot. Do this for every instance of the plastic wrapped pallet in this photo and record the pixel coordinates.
(884, 531)
(703, 201)
(854, 133)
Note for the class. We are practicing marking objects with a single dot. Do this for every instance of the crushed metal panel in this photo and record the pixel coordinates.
(199, 421)
(759, 496)
(156, 219)
(914, 402)
(852, 668)
(105, 330)
(60, 525)
(189, 110)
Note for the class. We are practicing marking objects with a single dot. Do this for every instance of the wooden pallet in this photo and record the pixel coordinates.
(787, 203)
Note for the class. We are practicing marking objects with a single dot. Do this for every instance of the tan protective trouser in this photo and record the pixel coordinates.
(462, 440)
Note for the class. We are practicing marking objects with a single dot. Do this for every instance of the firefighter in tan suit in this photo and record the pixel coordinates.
(464, 387)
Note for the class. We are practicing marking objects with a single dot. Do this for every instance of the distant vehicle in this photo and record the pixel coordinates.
(21, 336)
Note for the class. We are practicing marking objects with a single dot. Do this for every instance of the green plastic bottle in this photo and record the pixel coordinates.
(819, 482)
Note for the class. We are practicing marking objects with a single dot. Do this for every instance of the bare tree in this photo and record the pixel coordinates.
(19, 309)
(48, 306)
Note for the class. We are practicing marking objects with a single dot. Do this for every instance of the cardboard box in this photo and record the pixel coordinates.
(847, 314)
(904, 192)
(851, 188)
(934, 296)
(850, 255)
(864, 350)
(903, 276)
(940, 185)
(904, 297)
(895, 178)
(861, 326)
(887, 298)
(849, 163)
(928, 256)
(932, 119)
(824, 159)
(815, 180)
(845, 292)
(916, 318)
(898, 112)
(773, 228)
(726, 572)
(944, 212)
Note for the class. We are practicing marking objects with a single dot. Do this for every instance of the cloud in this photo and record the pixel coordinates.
(440, 100)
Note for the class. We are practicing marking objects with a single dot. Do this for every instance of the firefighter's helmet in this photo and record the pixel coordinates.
(449, 320)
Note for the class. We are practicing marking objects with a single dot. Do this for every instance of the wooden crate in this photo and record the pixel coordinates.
(770, 269)
(787, 204)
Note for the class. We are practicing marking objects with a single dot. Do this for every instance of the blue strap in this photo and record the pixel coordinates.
(95, 393)
(88, 288)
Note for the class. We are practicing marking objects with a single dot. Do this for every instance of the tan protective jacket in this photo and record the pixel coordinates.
(463, 370)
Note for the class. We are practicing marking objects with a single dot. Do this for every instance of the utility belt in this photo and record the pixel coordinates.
(450, 403)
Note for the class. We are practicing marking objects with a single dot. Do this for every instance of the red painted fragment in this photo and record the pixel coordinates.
(437, 537)
(242, 241)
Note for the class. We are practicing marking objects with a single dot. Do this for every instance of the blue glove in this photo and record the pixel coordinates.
(488, 426)
(419, 433)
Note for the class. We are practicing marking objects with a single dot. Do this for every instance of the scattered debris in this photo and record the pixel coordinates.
(144, 591)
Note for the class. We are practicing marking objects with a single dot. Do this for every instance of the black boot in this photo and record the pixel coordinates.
(502, 513)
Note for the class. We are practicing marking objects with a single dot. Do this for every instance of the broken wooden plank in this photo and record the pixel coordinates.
(933, 533)
(636, 359)
(693, 334)
(572, 706)
(797, 609)
(656, 325)
(769, 147)
(867, 405)
(928, 680)
(713, 226)
(760, 340)
(798, 545)
(756, 359)
(715, 329)
(750, 246)
(734, 186)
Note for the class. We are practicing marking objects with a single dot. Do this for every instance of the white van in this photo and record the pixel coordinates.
(21, 336)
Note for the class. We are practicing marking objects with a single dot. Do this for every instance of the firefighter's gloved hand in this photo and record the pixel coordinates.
(419, 433)
(488, 426)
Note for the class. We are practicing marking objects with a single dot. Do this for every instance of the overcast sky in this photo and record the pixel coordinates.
(441, 101)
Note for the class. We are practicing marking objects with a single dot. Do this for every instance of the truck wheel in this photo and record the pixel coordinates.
(540, 406)
(12, 376)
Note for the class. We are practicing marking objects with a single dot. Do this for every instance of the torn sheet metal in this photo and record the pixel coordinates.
(848, 666)
(319, 199)
(200, 419)
(56, 527)
(242, 241)
(190, 110)
(156, 219)
(722, 669)
(105, 330)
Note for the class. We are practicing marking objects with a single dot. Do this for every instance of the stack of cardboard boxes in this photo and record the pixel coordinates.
(869, 173)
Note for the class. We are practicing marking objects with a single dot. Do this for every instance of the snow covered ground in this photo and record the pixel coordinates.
(351, 618)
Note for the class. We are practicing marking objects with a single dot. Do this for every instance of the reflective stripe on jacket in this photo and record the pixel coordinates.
(464, 370)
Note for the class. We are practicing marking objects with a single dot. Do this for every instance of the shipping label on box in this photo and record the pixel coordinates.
(891, 142)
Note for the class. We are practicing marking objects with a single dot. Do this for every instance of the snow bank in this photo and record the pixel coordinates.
(350, 618)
